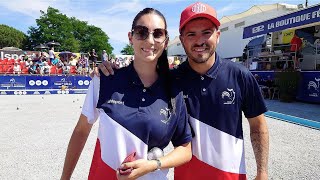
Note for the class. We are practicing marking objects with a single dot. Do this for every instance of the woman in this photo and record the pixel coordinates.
(138, 111)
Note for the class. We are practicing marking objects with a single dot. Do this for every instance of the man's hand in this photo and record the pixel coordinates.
(140, 168)
(106, 68)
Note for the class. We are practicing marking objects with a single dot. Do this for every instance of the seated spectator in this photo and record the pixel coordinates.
(66, 68)
(28, 62)
(16, 68)
(79, 68)
(269, 86)
(32, 68)
(38, 69)
(25, 56)
(73, 61)
(55, 61)
(45, 69)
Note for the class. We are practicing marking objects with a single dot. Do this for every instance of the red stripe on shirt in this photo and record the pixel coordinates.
(196, 169)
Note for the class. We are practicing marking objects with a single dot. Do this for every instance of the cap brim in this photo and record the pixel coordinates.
(214, 20)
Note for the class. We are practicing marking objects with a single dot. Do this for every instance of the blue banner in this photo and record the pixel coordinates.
(60, 84)
(38, 82)
(309, 89)
(299, 18)
(82, 82)
(67, 81)
(12, 82)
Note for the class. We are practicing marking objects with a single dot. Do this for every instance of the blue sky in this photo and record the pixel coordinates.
(115, 16)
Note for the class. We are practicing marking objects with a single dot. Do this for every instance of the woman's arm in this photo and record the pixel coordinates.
(77, 141)
(180, 155)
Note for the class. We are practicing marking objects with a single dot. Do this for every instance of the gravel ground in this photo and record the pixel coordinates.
(35, 131)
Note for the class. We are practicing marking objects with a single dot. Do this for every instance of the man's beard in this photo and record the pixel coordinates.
(201, 58)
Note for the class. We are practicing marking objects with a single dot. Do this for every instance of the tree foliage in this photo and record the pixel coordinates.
(10, 36)
(73, 35)
(128, 50)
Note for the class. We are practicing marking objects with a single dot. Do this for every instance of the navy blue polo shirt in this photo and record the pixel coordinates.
(144, 111)
(223, 92)
(133, 118)
(215, 102)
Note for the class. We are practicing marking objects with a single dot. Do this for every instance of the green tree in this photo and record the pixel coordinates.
(128, 50)
(73, 35)
(10, 36)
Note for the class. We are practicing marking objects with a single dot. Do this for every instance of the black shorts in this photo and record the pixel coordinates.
(94, 61)
(297, 54)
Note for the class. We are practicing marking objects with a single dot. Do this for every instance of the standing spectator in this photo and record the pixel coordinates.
(16, 68)
(93, 58)
(51, 54)
(104, 56)
(296, 44)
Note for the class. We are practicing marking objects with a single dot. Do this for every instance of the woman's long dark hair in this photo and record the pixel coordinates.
(162, 64)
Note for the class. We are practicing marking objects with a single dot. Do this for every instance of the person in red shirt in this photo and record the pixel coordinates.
(295, 48)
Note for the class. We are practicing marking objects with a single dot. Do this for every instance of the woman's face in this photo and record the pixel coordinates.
(150, 48)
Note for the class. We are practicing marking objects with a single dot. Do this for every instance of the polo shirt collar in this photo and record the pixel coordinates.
(135, 80)
(211, 73)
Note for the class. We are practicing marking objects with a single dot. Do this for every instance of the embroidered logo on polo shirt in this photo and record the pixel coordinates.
(112, 101)
(166, 113)
(228, 96)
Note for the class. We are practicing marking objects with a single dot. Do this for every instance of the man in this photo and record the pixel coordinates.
(216, 92)
(104, 56)
(51, 54)
(93, 57)
(296, 44)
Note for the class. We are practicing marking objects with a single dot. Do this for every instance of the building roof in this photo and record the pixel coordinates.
(255, 10)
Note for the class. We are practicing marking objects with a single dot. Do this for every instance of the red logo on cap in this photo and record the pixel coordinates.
(199, 8)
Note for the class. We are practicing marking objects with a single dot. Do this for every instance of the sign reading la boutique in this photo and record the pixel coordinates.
(16, 54)
(299, 18)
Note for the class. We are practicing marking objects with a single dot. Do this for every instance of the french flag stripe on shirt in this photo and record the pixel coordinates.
(114, 144)
(215, 152)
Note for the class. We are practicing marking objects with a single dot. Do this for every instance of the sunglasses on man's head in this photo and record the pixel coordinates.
(142, 33)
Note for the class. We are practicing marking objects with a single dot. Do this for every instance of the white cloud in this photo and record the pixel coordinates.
(226, 10)
(27, 7)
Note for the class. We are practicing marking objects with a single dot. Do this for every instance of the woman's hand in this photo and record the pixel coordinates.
(140, 168)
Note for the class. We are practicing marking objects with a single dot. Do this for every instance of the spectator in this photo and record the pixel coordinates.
(25, 56)
(93, 57)
(45, 69)
(73, 61)
(66, 68)
(79, 69)
(32, 69)
(28, 63)
(51, 54)
(104, 56)
(55, 61)
(16, 68)
(296, 44)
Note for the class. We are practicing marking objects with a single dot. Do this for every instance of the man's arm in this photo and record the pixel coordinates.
(260, 143)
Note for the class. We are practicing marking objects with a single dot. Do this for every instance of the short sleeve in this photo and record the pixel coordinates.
(253, 104)
(90, 103)
(182, 133)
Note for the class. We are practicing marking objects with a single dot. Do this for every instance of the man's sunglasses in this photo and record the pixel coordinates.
(142, 33)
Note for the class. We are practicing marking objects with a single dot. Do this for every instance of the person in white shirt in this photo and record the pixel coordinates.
(16, 68)
(51, 54)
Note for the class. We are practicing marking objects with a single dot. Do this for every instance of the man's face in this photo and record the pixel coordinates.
(199, 39)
